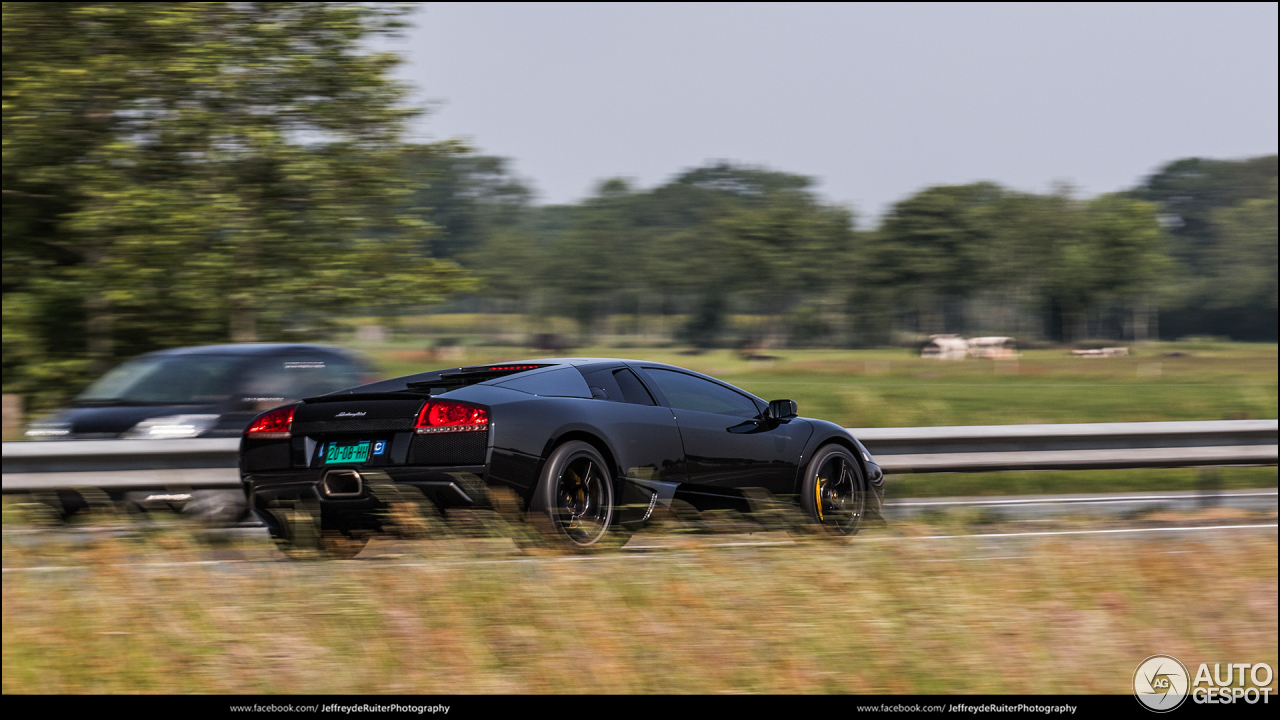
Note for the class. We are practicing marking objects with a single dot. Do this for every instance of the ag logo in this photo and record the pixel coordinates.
(1161, 683)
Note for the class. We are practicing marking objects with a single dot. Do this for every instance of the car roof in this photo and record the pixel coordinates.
(576, 361)
(392, 383)
(249, 349)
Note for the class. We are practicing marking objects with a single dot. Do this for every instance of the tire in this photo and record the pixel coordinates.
(574, 500)
(338, 545)
(834, 492)
(300, 538)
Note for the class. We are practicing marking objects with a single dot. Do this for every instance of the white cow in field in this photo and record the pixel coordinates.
(954, 347)
(994, 347)
(945, 347)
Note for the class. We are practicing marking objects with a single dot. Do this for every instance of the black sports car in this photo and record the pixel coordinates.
(592, 446)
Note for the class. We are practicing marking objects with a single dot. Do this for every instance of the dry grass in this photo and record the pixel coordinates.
(884, 614)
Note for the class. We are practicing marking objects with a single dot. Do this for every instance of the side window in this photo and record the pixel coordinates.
(686, 392)
(618, 385)
(603, 386)
(633, 391)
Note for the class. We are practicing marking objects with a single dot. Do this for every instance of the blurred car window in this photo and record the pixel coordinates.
(284, 378)
(172, 380)
(686, 392)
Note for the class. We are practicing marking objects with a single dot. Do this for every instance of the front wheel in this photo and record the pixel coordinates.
(574, 497)
(834, 492)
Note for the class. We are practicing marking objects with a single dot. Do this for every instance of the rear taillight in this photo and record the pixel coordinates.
(273, 424)
(440, 417)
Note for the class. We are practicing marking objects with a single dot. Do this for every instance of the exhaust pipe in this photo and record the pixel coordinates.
(342, 483)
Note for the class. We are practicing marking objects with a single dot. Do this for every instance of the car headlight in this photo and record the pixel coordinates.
(48, 430)
(172, 426)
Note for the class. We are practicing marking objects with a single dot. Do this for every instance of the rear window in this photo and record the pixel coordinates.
(293, 377)
(561, 382)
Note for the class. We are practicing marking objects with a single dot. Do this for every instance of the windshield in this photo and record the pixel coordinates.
(172, 380)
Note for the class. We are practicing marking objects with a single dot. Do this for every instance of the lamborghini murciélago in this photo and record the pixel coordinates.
(592, 448)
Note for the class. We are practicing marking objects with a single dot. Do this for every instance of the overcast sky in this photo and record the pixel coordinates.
(874, 101)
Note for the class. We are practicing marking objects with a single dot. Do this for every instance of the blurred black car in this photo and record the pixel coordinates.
(591, 446)
(210, 391)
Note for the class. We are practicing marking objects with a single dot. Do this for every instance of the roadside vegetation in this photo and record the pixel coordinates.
(263, 188)
(890, 612)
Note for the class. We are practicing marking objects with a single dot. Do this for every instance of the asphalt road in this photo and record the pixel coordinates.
(1035, 507)
(1119, 516)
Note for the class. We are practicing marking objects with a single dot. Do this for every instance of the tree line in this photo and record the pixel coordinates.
(1192, 250)
(185, 173)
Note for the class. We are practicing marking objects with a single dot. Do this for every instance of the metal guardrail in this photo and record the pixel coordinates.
(211, 463)
(122, 464)
(1084, 446)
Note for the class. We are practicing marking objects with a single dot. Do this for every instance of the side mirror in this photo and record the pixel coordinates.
(782, 409)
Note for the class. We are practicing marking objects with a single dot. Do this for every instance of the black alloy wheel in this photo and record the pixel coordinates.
(835, 490)
(575, 494)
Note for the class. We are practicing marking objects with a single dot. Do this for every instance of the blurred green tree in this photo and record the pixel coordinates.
(942, 250)
(933, 251)
(593, 261)
(188, 172)
(469, 197)
(1191, 190)
(1243, 265)
(1198, 198)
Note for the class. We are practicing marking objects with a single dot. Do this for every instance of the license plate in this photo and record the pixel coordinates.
(357, 453)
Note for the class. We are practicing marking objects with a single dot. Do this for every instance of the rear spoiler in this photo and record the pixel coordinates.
(478, 374)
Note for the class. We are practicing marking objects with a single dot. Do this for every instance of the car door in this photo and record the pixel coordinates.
(644, 433)
(726, 443)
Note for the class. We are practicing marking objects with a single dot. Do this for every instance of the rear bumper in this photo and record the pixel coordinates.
(351, 503)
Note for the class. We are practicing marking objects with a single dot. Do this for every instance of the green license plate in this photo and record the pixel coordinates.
(347, 453)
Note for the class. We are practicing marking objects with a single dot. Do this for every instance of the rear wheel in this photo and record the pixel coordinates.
(342, 545)
(574, 497)
(299, 537)
(834, 492)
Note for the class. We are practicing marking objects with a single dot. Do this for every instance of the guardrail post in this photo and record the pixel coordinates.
(1210, 486)
(12, 416)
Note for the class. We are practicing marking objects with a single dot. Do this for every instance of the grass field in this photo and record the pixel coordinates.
(891, 388)
(889, 613)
